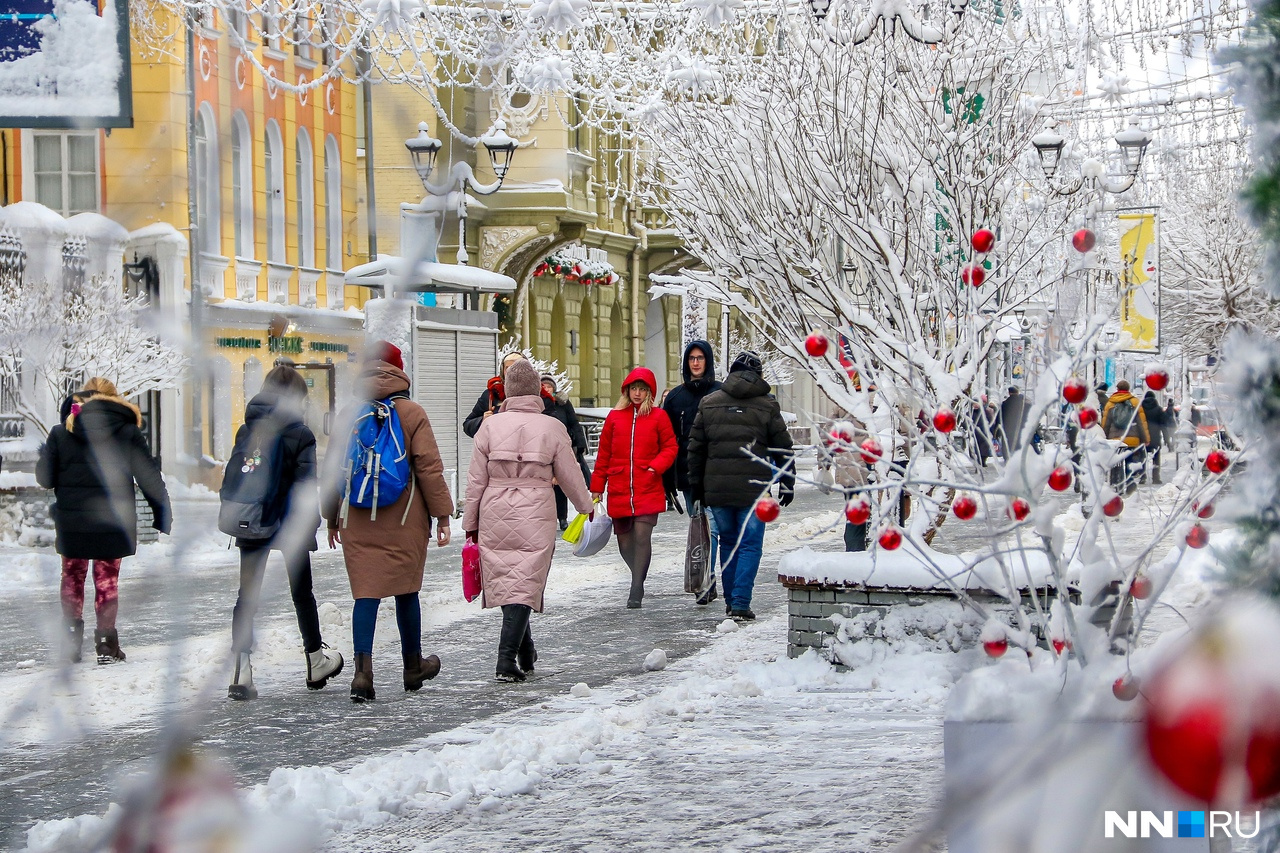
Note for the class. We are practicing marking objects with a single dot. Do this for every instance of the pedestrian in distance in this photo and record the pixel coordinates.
(490, 399)
(270, 503)
(1103, 393)
(636, 448)
(738, 446)
(1154, 414)
(681, 406)
(852, 475)
(92, 462)
(508, 511)
(559, 407)
(1011, 421)
(981, 421)
(1123, 420)
(385, 546)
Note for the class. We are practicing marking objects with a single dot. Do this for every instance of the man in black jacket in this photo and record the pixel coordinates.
(681, 405)
(735, 431)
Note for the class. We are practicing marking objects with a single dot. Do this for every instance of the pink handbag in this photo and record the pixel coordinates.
(471, 570)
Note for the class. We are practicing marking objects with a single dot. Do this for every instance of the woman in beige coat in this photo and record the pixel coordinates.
(511, 510)
(385, 554)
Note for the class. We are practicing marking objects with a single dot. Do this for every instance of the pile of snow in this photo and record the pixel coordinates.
(18, 480)
(914, 566)
(656, 661)
(805, 528)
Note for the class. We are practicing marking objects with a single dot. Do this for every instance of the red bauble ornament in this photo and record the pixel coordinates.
(841, 436)
(983, 240)
(973, 275)
(1074, 390)
(1088, 418)
(1019, 508)
(1205, 511)
(1125, 688)
(1157, 379)
(857, 511)
(944, 420)
(1197, 536)
(995, 648)
(1060, 479)
(1141, 588)
(767, 509)
(871, 451)
(1113, 507)
(1084, 240)
(964, 507)
(1202, 728)
(890, 538)
(1217, 461)
(816, 345)
(1060, 645)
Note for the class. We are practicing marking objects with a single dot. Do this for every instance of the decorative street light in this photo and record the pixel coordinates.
(896, 12)
(1133, 142)
(452, 192)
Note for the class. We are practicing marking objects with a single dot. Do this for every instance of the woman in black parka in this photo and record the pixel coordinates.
(273, 423)
(92, 462)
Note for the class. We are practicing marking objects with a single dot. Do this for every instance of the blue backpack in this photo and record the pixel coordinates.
(378, 469)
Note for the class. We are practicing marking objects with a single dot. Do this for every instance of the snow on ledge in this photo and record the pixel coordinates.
(915, 566)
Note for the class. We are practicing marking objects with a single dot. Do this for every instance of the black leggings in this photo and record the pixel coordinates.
(635, 543)
(253, 563)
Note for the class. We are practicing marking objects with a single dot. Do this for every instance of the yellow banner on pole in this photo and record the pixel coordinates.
(1139, 281)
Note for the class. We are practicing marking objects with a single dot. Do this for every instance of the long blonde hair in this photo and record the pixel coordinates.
(105, 387)
(624, 402)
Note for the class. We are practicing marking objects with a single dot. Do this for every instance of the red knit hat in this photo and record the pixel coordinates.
(383, 351)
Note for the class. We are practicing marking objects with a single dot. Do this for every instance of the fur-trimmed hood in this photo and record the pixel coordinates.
(104, 410)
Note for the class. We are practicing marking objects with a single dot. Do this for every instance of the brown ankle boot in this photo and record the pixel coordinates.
(420, 670)
(362, 684)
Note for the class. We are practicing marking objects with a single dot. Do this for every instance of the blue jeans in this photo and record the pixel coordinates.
(711, 528)
(741, 536)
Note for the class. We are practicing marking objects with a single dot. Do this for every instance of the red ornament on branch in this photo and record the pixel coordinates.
(1141, 588)
(1019, 508)
(816, 345)
(871, 451)
(964, 507)
(1157, 379)
(1074, 390)
(983, 240)
(995, 648)
(1113, 507)
(1084, 240)
(857, 511)
(944, 420)
(1060, 479)
(1217, 461)
(767, 509)
(1125, 688)
(1198, 536)
(973, 275)
(890, 538)
(1088, 418)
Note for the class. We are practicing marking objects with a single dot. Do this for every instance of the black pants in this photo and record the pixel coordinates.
(855, 536)
(562, 503)
(253, 563)
(516, 632)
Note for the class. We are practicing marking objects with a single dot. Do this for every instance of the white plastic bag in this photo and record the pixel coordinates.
(595, 535)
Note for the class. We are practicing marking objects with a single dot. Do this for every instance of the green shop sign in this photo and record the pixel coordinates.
(290, 344)
(325, 346)
(238, 343)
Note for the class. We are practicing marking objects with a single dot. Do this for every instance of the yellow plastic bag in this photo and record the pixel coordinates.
(573, 532)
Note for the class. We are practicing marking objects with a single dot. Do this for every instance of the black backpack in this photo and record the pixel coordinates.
(251, 504)
(1120, 418)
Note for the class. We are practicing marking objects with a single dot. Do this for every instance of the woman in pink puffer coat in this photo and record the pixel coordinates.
(511, 510)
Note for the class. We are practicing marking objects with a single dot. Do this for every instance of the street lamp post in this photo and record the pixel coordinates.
(451, 194)
(1133, 142)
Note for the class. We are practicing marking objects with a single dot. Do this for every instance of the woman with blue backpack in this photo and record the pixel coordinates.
(383, 487)
(269, 503)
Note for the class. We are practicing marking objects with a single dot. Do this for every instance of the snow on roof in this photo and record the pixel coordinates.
(427, 277)
(915, 566)
(158, 231)
(353, 314)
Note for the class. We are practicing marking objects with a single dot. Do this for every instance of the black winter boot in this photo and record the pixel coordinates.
(72, 640)
(515, 622)
(107, 644)
(418, 669)
(362, 684)
(528, 655)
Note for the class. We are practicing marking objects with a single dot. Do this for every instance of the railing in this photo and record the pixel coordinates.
(13, 426)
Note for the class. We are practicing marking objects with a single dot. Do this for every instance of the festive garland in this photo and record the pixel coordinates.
(576, 270)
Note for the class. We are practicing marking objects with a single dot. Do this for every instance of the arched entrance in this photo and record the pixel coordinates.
(617, 355)
(587, 354)
(655, 342)
(559, 334)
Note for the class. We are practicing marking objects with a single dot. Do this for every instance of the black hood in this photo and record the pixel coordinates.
(708, 377)
(742, 384)
(103, 416)
(269, 405)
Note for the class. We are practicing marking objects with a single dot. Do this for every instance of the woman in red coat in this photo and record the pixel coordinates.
(637, 445)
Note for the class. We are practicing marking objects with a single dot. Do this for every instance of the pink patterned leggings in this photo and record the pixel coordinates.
(106, 579)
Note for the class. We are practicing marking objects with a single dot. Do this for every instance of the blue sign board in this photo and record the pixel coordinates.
(17, 36)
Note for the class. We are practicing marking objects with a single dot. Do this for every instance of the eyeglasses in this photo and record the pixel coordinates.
(697, 358)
